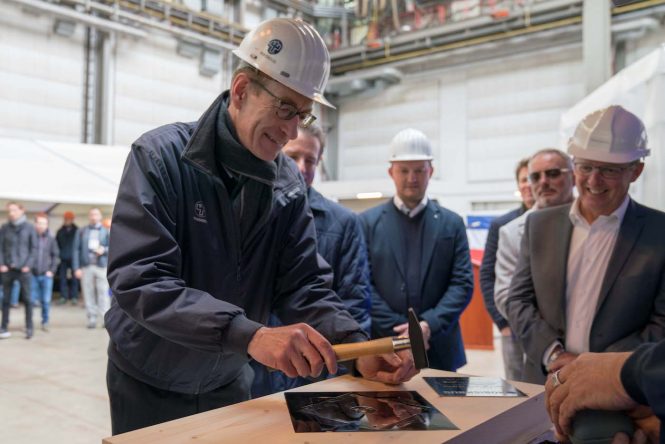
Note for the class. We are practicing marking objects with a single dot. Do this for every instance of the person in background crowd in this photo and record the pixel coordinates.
(44, 267)
(18, 242)
(69, 285)
(89, 260)
(419, 257)
(510, 346)
(591, 274)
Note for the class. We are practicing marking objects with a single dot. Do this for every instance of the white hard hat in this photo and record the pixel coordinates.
(410, 144)
(611, 135)
(291, 52)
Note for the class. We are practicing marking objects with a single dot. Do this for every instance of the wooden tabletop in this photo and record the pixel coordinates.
(266, 420)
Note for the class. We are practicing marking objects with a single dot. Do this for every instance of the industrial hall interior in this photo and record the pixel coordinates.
(323, 221)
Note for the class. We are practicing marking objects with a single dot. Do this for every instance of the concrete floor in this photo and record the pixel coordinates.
(53, 388)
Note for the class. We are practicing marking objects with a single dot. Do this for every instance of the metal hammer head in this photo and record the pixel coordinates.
(417, 341)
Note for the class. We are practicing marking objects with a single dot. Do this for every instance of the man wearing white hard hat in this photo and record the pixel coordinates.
(591, 274)
(211, 232)
(419, 256)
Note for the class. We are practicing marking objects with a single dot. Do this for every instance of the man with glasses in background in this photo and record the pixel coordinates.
(591, 275)
(550, 176)
(211, 233)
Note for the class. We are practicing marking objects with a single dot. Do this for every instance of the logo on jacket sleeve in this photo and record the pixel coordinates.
(200, 212)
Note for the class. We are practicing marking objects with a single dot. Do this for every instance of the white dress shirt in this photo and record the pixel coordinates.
(399, 203)
(591, 248)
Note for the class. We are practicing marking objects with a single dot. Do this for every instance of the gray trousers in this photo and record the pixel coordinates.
(95, 290)
(513, 358)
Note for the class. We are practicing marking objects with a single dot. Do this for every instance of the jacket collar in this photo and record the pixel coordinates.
(316, 199)
(215, 129)
(18, 222)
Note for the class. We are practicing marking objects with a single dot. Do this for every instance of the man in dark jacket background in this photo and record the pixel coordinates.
(419, 257)
(211, 233)
(44, 267)
(510, 346)
(18, 241)
(69, 285)
(339, 235)
(339, 240)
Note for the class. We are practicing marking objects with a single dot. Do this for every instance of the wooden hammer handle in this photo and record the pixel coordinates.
(354, 350)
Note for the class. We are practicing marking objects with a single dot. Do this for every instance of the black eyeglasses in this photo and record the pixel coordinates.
(607, 172)
(287, 111)
(552, 173)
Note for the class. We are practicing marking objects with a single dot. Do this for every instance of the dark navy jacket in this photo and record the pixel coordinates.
(65, 237)
(188, 292)
(487, 274)
(446, 278)
(643, 376)
(340, 241)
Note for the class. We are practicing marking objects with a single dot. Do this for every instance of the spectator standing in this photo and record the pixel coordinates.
(89, 260)
(419, 257)
(69, 285)
(18, 241)
(44, 268)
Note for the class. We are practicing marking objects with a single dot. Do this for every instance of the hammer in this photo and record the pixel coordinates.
(415, 342)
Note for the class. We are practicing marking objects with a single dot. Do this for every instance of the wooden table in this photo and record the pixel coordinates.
(266, 420)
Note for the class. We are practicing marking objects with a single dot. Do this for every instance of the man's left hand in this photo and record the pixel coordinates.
(25, 269)
(403, 330)
(391, 368)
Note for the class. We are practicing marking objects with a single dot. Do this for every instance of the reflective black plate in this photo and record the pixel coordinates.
(363, 412)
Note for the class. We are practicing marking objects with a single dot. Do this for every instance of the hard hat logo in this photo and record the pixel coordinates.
(612, 135)
(290, 52)
(274, 46)
(410, 144)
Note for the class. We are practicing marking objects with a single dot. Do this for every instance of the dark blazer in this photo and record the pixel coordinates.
(631, 306)
(487, 275)
(80, 257)
(446, 278)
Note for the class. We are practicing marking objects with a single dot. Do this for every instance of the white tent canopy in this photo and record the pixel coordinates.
(640, 88)
(71, 176)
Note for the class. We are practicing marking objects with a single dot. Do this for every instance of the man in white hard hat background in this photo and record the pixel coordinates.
(591, 275)
(550, 175)
(419, 256)
(211, 232)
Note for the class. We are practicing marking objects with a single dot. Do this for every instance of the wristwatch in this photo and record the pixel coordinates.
(558, 351)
